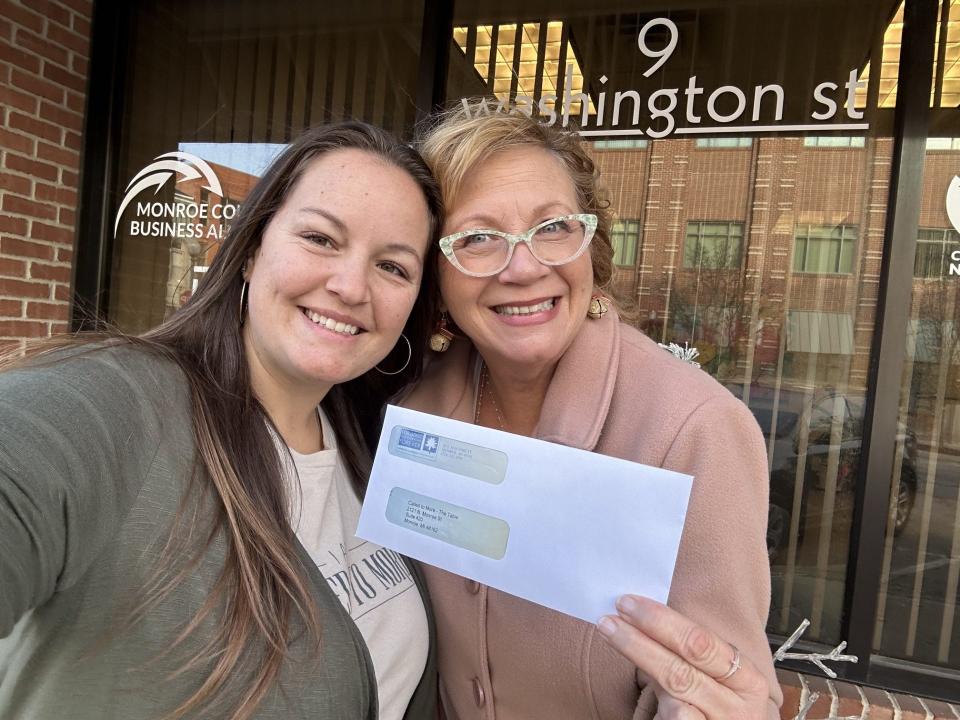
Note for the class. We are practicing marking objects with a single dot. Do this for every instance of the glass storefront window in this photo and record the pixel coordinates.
(761, 249)
(917, 616)
(227, 84)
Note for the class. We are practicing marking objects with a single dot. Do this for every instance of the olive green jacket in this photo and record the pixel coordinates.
(96, 452)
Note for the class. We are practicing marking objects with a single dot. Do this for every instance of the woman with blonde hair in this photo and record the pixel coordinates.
(531, 343)
(177, 509)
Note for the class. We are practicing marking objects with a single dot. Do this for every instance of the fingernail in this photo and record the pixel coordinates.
(607, 626)
(627, 604)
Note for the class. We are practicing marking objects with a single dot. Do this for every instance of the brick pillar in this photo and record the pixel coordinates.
(44, 51)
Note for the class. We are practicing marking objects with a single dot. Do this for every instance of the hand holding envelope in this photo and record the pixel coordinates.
(561, 527)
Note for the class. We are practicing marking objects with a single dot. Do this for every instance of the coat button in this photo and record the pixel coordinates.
(478, 695)
(473, 587)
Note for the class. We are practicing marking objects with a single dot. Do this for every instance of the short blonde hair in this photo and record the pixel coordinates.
(459, 139)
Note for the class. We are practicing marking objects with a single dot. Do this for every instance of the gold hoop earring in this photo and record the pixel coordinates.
(442, 337)
(599, 305)
(409, 357)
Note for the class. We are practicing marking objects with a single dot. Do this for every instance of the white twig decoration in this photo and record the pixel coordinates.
(816, 658)
(686, 353)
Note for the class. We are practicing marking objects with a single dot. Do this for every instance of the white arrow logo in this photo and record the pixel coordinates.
(953, 202)
(162, 169)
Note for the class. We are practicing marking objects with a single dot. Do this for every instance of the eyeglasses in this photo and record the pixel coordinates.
(483, 252)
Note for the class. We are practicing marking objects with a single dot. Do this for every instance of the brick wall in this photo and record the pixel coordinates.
(833, 700)
(44, 51)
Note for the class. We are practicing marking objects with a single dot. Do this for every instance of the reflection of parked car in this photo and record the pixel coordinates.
(815, 412)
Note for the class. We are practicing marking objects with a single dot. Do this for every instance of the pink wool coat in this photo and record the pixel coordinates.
(614, 392)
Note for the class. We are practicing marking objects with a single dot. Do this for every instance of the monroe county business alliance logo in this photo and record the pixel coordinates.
(953, 212)
(188, 216)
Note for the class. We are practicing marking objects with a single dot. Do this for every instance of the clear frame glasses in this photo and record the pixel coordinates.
(482, 252)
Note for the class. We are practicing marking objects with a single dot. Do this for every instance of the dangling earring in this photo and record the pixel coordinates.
(243, 300)
(409, 357)
(598, 307)
(442, 337)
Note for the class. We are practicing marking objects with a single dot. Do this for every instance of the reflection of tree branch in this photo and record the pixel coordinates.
(815, 658)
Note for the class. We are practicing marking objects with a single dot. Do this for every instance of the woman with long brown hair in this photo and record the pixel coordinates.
(177, 509)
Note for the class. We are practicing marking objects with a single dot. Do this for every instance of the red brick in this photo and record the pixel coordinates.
(72, 140)
(61, 292)
(4, 74)
(940, 710)
(15, 184)
(76, 102)
(849, 706)
(880, 708)
(60, 115)
(49, 10)
(15, 98)
(59, 328)
(18, 57)
(56, 194)
(64, 254)
(79, 64)
(58, 155)
(68, 177)
(49, 233)
(21, 206)
(16, 226)
(32, 126)
(82, 25)
(66, 78)
(37, 86)
(42, 47)
(6, 30)
(69, 39)
(17, 143)
(34, 168)
(67, 216)
(20, 15)
(23, 288)
(42, 271)
(10, 267)
(22, 329)
(11, 308)
(821, 708)
(83, 7)
(25, 248)
(791, 702)
(46, 311)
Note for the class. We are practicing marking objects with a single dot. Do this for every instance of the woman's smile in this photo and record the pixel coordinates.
(530, 312)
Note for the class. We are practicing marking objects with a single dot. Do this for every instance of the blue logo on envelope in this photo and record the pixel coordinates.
(416, 440)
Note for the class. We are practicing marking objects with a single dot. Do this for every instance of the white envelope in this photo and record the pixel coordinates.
(561, 527)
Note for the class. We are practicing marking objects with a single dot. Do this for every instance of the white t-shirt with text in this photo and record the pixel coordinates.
(373, 583)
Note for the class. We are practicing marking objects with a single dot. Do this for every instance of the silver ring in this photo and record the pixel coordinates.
(734, 665)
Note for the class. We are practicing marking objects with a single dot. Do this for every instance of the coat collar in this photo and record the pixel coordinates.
(580, 393)
(578, 399)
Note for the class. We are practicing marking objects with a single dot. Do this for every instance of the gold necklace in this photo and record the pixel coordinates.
(484, 379)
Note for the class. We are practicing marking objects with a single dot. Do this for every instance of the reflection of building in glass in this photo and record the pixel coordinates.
(791, 250)
(193, 250)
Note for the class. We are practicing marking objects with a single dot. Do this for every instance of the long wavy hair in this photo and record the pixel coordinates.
(263, 591)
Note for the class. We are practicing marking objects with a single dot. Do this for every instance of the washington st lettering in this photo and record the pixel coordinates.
(371, 578)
